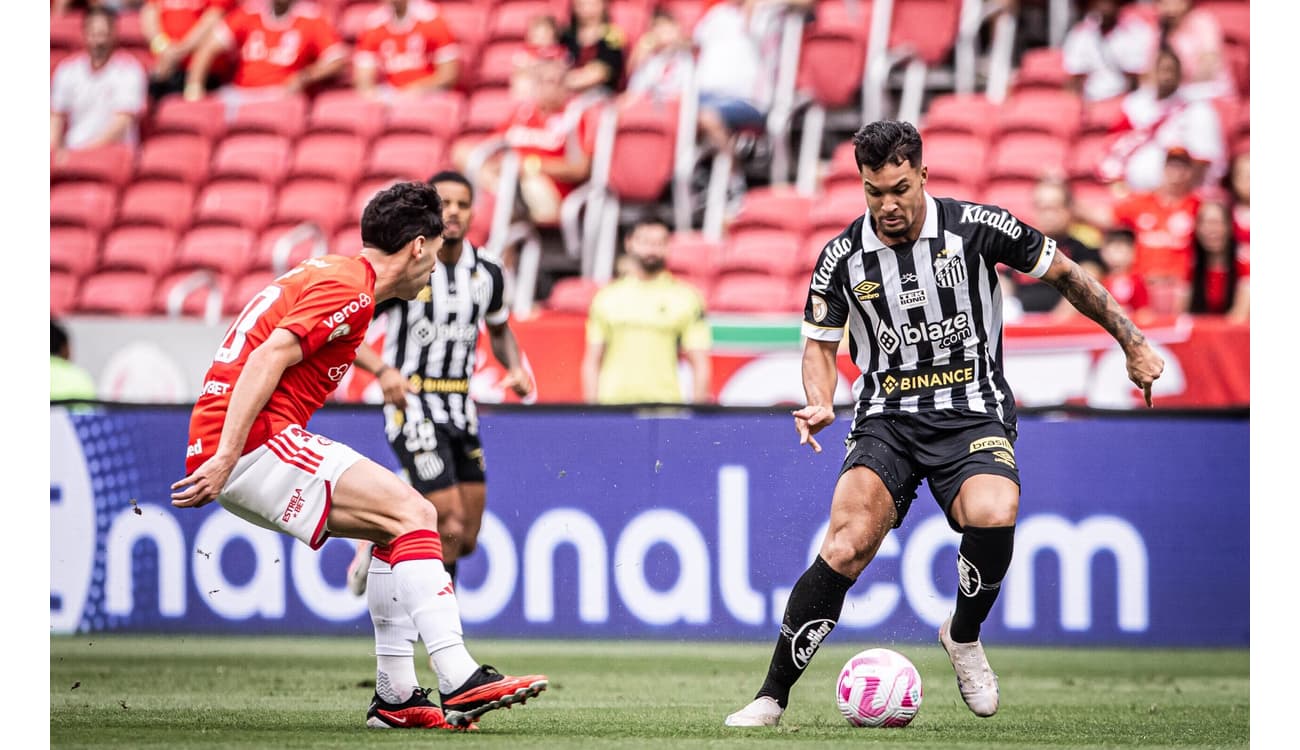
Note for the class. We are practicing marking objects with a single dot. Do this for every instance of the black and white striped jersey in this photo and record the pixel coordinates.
(925, 318)
(433, 339)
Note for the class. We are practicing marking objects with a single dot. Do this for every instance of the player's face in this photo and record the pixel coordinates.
(648, 245)
(418, 269)
(896, 199)
(456, 210)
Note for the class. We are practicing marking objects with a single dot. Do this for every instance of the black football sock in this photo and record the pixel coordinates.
(982, 561)
(810, 615)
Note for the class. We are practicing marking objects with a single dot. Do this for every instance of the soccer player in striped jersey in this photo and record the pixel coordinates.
(280, 359)
(914, 280)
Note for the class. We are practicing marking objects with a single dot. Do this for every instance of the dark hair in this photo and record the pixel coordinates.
(1201, 267)
(449, 175)
(649, 221)
(399, 214)
(58, 339)
(1119, 234)
(886, 142)
(1165, 50)
(108, 13)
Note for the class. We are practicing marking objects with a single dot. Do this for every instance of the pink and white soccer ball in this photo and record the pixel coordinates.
(879, 688)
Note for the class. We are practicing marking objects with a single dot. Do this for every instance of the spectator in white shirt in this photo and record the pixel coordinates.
(1107, 51)
(98, 94)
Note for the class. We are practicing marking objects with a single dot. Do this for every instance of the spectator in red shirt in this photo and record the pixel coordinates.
(284, 47)
(596, 47)
(96, 95)
(1219, 281)
(1163, 221)
(1237, 184)
(175, 29)
(542, 33)
(1121, 280)
(406, 46)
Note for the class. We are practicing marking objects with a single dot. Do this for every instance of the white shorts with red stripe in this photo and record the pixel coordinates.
(286, 484)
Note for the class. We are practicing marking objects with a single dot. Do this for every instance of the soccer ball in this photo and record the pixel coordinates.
(879, 688)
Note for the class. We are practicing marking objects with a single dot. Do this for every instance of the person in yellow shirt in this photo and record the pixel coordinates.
(67, 380)
(639, 326)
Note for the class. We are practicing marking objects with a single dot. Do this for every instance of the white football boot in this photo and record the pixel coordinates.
(761, 712)
(975, 679)
(359, 570)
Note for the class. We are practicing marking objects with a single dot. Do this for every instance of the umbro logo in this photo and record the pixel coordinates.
(867, 290)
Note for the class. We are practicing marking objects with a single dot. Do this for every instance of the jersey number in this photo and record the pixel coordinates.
(233, 344)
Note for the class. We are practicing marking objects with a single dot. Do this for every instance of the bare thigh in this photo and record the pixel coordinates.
(370, 502)
(986, 501)
(862, 513)
(473, 497)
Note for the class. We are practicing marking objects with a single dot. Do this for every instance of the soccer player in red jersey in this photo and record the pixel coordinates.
(406, 46)
(248, 449)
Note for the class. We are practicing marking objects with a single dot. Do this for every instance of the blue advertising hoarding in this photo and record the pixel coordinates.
(677, 525)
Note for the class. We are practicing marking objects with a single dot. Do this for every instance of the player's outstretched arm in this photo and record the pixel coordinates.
(257, 381)
(819, 378)
(1091, 298)
(394, 386)
(505, 347)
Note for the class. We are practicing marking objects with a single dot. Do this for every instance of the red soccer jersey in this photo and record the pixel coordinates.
(1128, 289)
(408, 49)
(272, 49)
(327, 303)
(1162, 232)
(532, 132)
(177, 17)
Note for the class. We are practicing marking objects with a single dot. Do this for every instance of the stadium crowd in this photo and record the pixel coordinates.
(188, 137)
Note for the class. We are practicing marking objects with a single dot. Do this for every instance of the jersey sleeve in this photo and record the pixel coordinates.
(497, 311)
(129, 95)
(441, 41)
(826, 309)
(696, 336)
(61, 95)
(234, 28)
(367, 50)
(325, 41)
(328, 309)
(1014, 243)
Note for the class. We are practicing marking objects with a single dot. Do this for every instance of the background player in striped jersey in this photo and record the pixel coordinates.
(915, 282)
(430, 345)
(281, 358)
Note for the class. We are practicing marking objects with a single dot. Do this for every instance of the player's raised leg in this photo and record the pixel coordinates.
(862, 512)
(985, 509)
(370, 502)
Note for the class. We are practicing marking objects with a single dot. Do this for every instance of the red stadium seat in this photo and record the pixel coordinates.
(749, 293)
(222, 250)
(1027, 156)
(641, 166)
(1237, 58)
(244, 288)
(1016, 196)
(843, 168)
(687, 13)
(945, 187)
(833, 54)
(364, 191)
(242, 203)
(406, 157)
(129, 30)
(110, 164)
(284, 117)
(87, 204)
(774, 208)
(809, 253)
(63, 293)
(347, 240)
(1086, 154)
(321, 202)
(255, 156)
(958, 157)
(438, 115)
(65, 30)
(690, 254)
(467, 21)
(487, 110)
(57, 56)
(187, 293)
(1041, 68)
(571, 294)
(496, 62)
(1233, 17)
(265, 253)
(1093, 196)
(509, 21)
(334, 156)
(928, 27)
(73, 250)
(148, 249)
(1037, 110)
(633, 17)
(206, 117)
(355, 18)
(961, 113)
(126, 293)
(345, 111)
(163, 204)
(769, 251)
(182, 156)
(835, 210)
(1104, 115)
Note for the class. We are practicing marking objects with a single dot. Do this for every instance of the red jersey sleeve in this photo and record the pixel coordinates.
(237, 25)
(367, 49)
(325, 41)
(327, 310)
(441, 41)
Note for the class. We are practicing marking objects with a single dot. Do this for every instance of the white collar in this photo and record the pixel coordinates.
(929, 229)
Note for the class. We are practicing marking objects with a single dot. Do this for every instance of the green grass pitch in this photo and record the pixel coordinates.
(180, 692)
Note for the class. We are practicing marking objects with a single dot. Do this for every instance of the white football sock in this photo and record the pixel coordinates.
(395, 634)
(424, 590)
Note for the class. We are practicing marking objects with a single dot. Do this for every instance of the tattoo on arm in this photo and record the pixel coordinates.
(1091, 298)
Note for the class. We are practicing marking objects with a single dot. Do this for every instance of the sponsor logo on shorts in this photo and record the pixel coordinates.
(336, 373)
(914, 298)
(476, 455)
(215, 388)
(849, 445)
(989, 443)
(910, 382)
(808, 639)
(294, 507)
(1001, 221)
(867, 290)
(1004, 457)
(819, 308)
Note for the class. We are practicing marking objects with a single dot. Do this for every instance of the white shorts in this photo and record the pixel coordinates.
(287, 484)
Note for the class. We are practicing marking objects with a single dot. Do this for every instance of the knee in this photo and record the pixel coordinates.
(844, 551)
(415, 513)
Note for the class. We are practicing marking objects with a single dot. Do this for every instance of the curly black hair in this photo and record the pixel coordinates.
(399, 214)
(886, 142)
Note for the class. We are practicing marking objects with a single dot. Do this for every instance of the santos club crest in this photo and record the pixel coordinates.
(949, 269)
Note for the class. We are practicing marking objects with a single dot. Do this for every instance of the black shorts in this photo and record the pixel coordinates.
(437, 456)
(903, 449)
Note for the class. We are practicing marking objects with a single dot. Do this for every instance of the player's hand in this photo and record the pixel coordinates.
(203, 486)
(1144, 367)
(517, 380)
(395, 387)
(809, 421)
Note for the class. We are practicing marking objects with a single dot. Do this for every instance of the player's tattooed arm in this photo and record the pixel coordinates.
(1091, 298)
